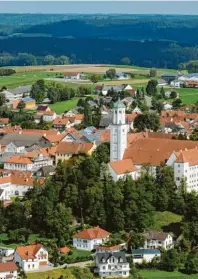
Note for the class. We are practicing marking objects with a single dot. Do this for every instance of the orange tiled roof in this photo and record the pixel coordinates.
(50, 112)
(64, 250)
(19, 178)
(123, 166)
(28, 252)
(39, 132)
(92, 233)
(73, 147)
(54, 138)
(188, 156)
(19, 160)
(61, 121)
(154, 151)
(79, 116)
(9, 266)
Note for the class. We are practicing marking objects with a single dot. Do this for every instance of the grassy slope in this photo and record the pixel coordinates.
(24, 78)
(51, 274)
(151, 274)
(60, 107)
(165, 218)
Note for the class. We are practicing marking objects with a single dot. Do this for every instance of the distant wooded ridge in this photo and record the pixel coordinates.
(151, 41)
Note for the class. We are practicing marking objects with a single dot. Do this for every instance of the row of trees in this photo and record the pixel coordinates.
(27, 59)
(56, 91)
(7, 72)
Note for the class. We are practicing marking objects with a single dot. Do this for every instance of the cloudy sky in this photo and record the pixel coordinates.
(90, 7)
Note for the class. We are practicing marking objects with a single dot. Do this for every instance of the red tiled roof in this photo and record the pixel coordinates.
(42, 108)
(61, 121)
(92, 233)
(188, 156)
(64, 250)
(50, 112)
(54, 138)
(73, 147)
(71, 73)
(109, 248)
(154, 151)
(123, 166)
(28, 252)
(9, 266)
(19, 160)
(79, 116)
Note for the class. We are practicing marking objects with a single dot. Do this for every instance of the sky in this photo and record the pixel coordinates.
(91, 7)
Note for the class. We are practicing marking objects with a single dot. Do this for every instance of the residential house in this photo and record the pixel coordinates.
(17, 93)
(122, 76)
(61, 124)
(49, 116)
(31, 257)
(71, 112)
(121, 169)
(115, 88)
(168, 106)
(145, 255)
(176, 83)
(158, 240)
(16, 184)
(66, 150)
(6, 251)
(72, 75)
(43, 108)
(89, 239)
(8, 270)
(45, 171)
(112, 264)
(29, 102)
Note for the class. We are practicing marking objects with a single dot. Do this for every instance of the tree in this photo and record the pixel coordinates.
(38, 91)
(111, 73)
(63, 60)
(153, 72)
(162, 92)
(2, 99)
(126, 61)
(173, 95)
(177, 103)
(94, 78)
(147, 121)
(21, 105)
(170, 260)
(151, 88)
(48, 60)
(25, 59)
(191, 263)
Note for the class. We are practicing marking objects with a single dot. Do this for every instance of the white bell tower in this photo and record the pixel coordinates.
(118, 139)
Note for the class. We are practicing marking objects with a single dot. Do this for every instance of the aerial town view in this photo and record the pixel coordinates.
(98, 139)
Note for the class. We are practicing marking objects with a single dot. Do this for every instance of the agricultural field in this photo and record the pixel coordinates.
(188, 95)
(157, 274)
(25, 78)
(60, 107)
(56, 273)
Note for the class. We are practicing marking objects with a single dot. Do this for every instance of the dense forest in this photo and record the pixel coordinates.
(158, 41)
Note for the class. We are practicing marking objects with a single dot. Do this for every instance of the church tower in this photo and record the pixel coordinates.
(118, 139)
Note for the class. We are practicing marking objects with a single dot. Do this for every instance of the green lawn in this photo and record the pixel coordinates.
(60, 107)
(188, 95)
(80, 253)
(152, 274)
(165, 218)
(24, 78)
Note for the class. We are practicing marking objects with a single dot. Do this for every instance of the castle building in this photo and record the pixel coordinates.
(118, 137)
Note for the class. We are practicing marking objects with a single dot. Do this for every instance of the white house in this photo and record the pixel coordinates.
(6, 252)
(14, 148)
(176, 83)
(72, 75)
(146, 255)
(168, 106)
(31, 257)
(122, 76)
(90, 238)
(49, 116)
(8, 270)
(156, 240)
(111, 264)
(122, 168)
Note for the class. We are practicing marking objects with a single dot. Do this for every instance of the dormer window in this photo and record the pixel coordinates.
(103, 260)
(121, 260)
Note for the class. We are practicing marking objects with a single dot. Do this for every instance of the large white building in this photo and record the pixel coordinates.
(90, 238)
(156, 240)
(111, 264)
(118, 135)
(145, 255)
(31, 257)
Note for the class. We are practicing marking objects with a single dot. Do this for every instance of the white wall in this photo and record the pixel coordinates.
(116, 176)
(86, 244)
(6, 274)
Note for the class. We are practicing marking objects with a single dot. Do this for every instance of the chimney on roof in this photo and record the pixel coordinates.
(27, 253)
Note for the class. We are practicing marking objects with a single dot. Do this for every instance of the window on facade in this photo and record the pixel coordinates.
(178, 166)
